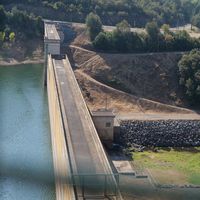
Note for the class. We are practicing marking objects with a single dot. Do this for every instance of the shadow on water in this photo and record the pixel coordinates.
(26, 168)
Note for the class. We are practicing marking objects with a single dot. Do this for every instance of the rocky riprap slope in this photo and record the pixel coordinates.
(162, 133)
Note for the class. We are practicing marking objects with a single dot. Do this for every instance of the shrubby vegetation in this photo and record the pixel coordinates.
(195, 19)
(24, 20)
(17, 24)
(135, 12)
(189, 71)
(94, 25)
(122, 39)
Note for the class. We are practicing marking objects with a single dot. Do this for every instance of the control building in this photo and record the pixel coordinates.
(104, 123)
(51, 40)
(52, 43)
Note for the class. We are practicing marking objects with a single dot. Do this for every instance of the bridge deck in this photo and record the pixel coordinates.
(87, 155)
(84, 151)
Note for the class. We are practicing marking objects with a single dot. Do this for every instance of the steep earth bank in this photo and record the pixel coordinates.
(19, 52)
(99, 95)
(150, 76)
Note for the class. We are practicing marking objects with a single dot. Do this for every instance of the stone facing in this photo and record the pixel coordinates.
(162, 133)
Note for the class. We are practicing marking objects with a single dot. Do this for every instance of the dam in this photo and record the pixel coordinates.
(81, 167)
(86, 164)
(50, 155)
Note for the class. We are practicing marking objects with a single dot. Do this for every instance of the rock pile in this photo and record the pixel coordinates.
(163, 133)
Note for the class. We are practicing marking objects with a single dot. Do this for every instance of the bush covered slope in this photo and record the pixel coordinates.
(136, 12)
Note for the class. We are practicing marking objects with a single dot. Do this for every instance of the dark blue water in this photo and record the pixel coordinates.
(26, 167)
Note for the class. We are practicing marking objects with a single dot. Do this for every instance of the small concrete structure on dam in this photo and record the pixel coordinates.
(81, 167)
(104, 123)
(51, 40)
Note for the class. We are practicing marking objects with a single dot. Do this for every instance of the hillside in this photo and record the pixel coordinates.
(27, 51)
(137, 13)
(99, 95)
(151, 76)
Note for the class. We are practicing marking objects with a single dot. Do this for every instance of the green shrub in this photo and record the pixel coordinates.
(189, 71)
(94, 25)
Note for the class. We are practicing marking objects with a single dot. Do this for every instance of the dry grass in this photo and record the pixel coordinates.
(150, 78)
(169, 176)
(98, 95)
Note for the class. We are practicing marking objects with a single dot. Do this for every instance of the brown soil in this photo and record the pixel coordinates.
(149, 81)
(82, 39)
(151, 76)
(147, 85)
(29, 51)
(98, 95)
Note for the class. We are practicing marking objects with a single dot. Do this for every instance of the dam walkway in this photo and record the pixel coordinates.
(82, 170)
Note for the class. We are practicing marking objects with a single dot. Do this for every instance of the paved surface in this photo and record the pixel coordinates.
(51, 32)
(87, 155)
(187, 27)
(60, 157)
(82, 152)
(135, 54)
(123, 166)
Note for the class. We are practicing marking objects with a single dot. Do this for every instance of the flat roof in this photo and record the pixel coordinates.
(103, 113)
(51, 32)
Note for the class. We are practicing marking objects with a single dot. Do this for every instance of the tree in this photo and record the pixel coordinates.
(123, 27)
(183, 41)
(2, 36)
(123, 37)
(39, 26)
(153, 38)
(189, 75)
(12, 37)
(2, 18)
(169, 41)
(94, 25)
(101, 41)
(152, 30)
(196, 20)
(166, 29)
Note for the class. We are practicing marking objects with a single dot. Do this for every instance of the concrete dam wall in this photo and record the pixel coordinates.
(62, 171)
(162, 133)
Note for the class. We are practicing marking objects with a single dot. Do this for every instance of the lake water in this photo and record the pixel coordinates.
(26, 166)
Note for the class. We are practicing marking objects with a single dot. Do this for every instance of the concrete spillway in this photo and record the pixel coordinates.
(77, 148)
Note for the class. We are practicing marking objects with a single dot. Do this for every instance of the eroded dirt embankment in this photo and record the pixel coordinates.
(137, 83)
(151, 76)
(22, 52)
(99, 95)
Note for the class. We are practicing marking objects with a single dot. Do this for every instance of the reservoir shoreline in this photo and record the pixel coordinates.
(11, 62)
